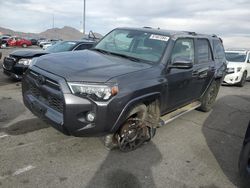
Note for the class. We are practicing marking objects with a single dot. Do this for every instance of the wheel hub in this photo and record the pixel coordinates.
(132, 135)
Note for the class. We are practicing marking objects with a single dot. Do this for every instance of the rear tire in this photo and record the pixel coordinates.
(209, 97)
(243, 79)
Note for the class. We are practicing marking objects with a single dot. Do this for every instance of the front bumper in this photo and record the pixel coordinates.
(12, 74)
(233, 78)
(67, 112)
(13, 69)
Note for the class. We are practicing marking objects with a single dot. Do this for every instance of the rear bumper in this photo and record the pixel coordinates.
(71, 120)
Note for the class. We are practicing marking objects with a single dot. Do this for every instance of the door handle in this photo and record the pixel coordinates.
(201, 73)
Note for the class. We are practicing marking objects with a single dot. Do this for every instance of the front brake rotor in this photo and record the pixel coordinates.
(132, 135)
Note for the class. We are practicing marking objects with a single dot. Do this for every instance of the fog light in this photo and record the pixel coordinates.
(90, 116)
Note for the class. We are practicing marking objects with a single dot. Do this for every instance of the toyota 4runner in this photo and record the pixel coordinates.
(133, 81)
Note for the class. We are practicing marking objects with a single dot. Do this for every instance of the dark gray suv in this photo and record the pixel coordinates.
(133, 81)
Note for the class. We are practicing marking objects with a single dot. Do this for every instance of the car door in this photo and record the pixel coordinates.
(204, 67)
(179, 81)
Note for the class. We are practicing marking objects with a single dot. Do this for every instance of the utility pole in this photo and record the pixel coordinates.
(53, 21)
(83, 15)
(53, 25)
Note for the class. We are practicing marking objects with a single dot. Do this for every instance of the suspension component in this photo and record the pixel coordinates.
(132, 135)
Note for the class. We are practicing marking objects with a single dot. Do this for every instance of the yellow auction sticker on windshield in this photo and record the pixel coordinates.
(159, 37)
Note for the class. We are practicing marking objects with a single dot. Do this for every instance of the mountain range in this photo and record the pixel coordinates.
(65, 33)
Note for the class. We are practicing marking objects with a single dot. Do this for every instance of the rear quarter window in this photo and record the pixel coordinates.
(204, 51)
(219, 53)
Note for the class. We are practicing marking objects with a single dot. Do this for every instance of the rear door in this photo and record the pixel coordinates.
(204, 67)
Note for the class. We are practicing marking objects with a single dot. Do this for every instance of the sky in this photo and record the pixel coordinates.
(227, 19)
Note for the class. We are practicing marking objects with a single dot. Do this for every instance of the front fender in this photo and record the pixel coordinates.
(130, 105)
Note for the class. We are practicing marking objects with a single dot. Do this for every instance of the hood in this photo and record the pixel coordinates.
(88, 66)
(28, 53)
(231, 64)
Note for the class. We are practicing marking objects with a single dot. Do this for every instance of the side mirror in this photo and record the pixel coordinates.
(248, 61)
(181, 63)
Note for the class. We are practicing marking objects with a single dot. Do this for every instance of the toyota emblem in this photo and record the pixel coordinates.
(41, 80)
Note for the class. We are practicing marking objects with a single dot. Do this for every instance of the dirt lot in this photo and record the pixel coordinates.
(197, 150)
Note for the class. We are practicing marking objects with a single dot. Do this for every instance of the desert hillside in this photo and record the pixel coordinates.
(65, 33)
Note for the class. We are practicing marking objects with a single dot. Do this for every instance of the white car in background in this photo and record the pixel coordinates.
(238, 67)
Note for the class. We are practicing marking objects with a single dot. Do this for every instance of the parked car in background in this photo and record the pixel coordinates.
(18, 61)
(4, 40)
(43, 43)
(18, 41)
(42, 39)
(244, 160)
(45, 46)
(238, 67)
(123, 86)
(48, 43)
(32, 40)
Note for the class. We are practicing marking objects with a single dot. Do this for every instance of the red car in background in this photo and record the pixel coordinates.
(17, 41)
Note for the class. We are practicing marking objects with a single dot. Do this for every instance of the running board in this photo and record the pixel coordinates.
(179, 112)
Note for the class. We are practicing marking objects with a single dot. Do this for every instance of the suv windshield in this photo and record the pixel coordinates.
(133, 44)
(61, 47)
(236, 56)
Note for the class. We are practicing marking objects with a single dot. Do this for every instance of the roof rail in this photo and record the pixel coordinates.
(190, 32)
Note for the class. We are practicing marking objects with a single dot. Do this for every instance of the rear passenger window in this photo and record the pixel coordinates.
(204, 51)
(218, 50)
(184, 49)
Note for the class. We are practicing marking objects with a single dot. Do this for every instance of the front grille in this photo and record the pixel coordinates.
(9, 62)
(52, 100)
(49, 82)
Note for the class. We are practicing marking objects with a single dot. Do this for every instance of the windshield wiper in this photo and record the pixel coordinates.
(127, 57)
(100, 50)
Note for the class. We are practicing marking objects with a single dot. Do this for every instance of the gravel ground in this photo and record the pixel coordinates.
(196, 150)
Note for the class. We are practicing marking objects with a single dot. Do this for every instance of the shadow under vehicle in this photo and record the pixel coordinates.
(224, 130)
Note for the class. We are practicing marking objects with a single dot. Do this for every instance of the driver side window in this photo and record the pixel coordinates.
(183, 49)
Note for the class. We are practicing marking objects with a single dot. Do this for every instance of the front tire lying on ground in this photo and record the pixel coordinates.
(209, 97)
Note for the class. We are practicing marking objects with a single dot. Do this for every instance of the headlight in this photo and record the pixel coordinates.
(33, 61)
(230, 70)
(96, 91)
(239, 69)
(25, 61)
